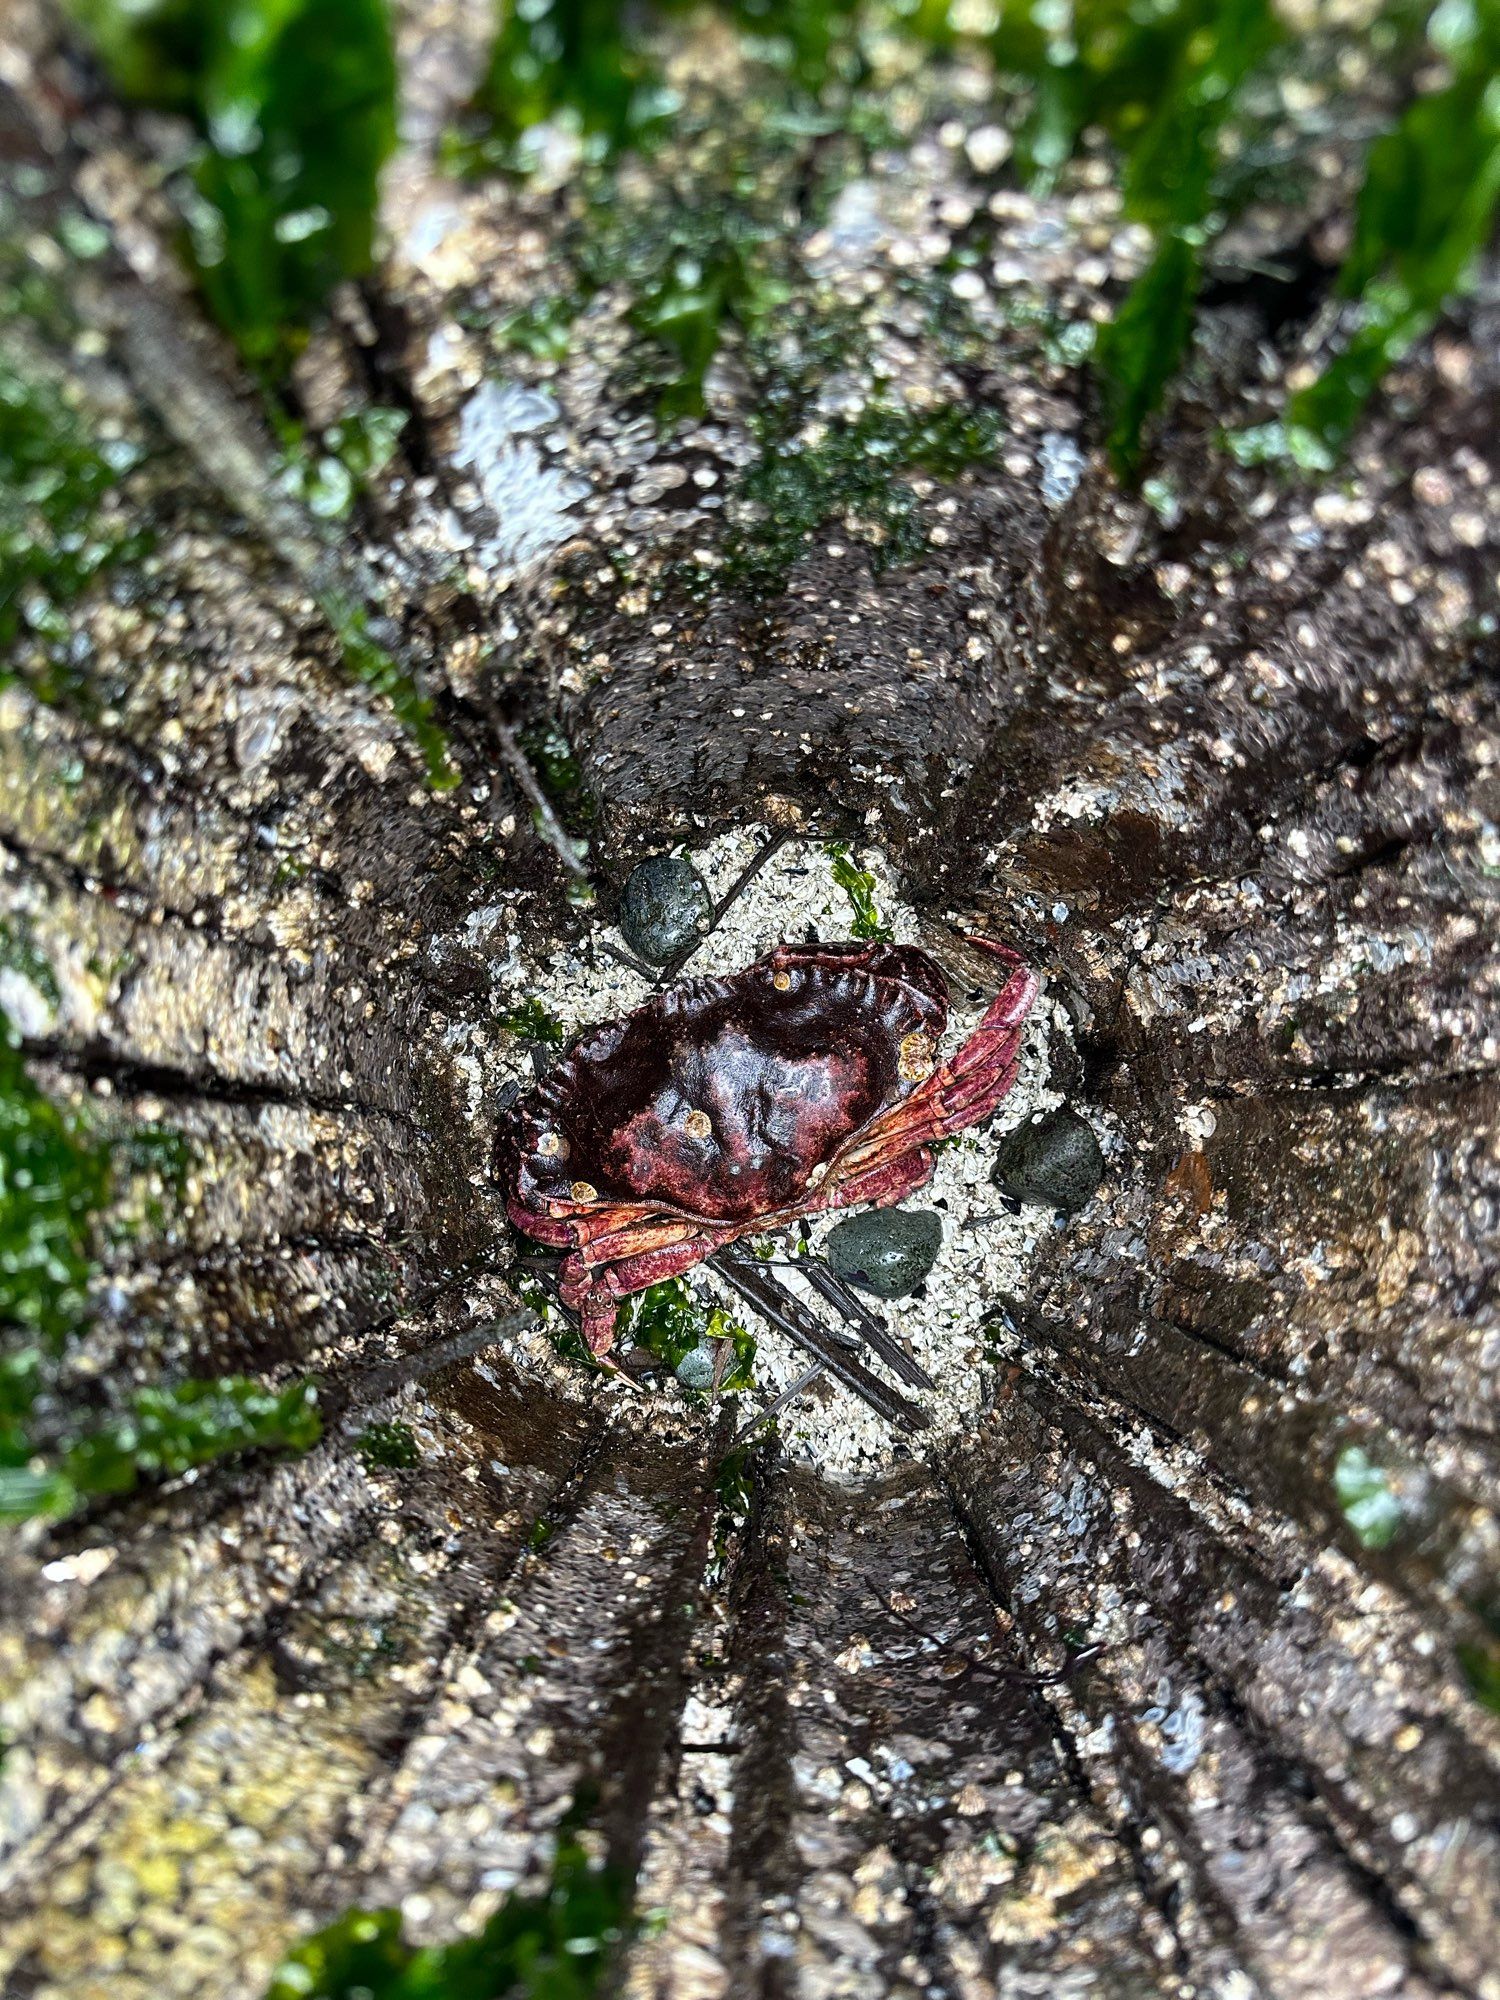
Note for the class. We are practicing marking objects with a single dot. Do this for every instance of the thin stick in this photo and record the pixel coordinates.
(736, 889)
(548, 825)
(646, 972)
(721, 1365)
(202, 413)
(774, 1409)
(878, 1336)
(381, 1382)
(770, 1298)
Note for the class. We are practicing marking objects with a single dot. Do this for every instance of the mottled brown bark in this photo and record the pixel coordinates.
(1113, 1699)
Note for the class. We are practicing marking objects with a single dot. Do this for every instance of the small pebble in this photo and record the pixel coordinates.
(696, 1368)
(1055, 1163)
(888, 1251)
(665, 906)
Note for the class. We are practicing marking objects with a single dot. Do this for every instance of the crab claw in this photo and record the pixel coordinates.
(596, 1306)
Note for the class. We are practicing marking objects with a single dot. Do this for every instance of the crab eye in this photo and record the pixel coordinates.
(584, 1191)
(782, 981)
(698, 1125)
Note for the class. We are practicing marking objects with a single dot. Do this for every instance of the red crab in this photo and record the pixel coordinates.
(725, 1107)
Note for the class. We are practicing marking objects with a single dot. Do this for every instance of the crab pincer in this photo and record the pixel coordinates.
(730, 1106)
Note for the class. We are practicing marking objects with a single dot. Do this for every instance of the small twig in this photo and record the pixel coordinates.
(721, 1365)
(878, 1336)
(938, 1645)
(774, 1409)
(1013, 1676)
(624, 958)
(736, 889)
(1022, 1677)
(548, 825)
(488, 1262)
(383, 1381)
(792, 1317)
(202, 413)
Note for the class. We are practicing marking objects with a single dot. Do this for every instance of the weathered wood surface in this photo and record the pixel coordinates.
(1233, 784)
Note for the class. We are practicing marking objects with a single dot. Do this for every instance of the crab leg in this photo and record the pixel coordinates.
(606, 1235)
(887, 1177)
(637, 1239)
(774, 1409)
(595, 1293)
(619, 1219)
(735, 890)
(596, 1307)
(928, 1114)
(634, 1274)
(960, 1092)
(558, 1235)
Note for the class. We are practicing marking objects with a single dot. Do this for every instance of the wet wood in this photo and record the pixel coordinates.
(1113, 1698)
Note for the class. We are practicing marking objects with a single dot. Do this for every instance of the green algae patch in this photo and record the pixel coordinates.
(54, 1180)
(560, 776)
(734, 1493)
(859, 886)
(553, 1945)
(705, 257)
(1426, 212)
(670, 1321)
(1480, 1667)
(543, 330)
(570, 58)
(530, 1022)
(58, 531)
(1367, 1498)
(327, 473)
(392, 1447)
(1138, 352)
(156, 1162)
(294, 105)
(567, 794)
(163, 1433)
(370, 663)
(1166, 102)
(851, 474)
(563, 1336)
(712, 277)
(597, 68)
